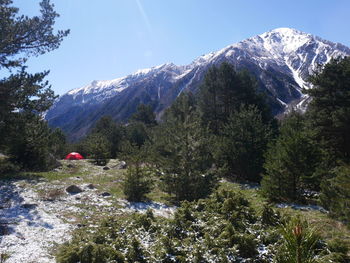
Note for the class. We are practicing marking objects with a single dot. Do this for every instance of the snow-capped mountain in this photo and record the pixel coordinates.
(281, 60)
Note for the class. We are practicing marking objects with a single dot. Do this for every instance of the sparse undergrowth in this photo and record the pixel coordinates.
(229, 225)
(222, 228)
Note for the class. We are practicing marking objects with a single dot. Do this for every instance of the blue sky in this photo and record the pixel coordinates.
(113, 38)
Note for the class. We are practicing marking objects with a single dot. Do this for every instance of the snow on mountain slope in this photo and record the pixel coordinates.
(102, 90)
(281, 60)
(283, 45)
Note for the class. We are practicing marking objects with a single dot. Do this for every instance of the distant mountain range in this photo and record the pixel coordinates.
(281, 60)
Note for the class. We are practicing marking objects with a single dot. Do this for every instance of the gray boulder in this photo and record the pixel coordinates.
(121, 165)
(73, 189)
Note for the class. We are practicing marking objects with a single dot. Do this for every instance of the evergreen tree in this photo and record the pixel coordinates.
(98, 148)
(241, 147)
(30, 148)
(223, 91)
(335, 194)
(145, 115)
(185, 157)
(57, 143)
(23, 94)
(22, 36)
(140, 126)
(291, 161)
(114, 134)
(299, 243)
(137, 134)
(183, 106)
(329, 110)
(137, 182)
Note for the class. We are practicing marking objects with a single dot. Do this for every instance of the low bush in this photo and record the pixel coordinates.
(7, 167)
(335, 193)
(137, 183)
(221, 228)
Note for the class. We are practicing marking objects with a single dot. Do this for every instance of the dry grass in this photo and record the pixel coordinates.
(51, 194)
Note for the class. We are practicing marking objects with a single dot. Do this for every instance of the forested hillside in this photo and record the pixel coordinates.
(217, 179)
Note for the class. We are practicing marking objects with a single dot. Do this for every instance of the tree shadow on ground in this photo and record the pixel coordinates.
(15, 210)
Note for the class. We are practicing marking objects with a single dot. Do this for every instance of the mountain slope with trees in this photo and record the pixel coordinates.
(281, 60)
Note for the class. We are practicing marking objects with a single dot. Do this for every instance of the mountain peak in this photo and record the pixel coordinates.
(281, 60)
(287, 31)
(284, 40)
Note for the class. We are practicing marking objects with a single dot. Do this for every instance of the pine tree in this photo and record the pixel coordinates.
(223, 91)
(58, 144)
(145, 115)
(329, 110)
(23, 94)
(137, 134)
(183, 106)
(291, 161)
(184, 155)
(30, 148)
(335, 193)
(21, 37)
(114, 134)
(299, 243)
(137, 182)
(98, 148)
(241, 147)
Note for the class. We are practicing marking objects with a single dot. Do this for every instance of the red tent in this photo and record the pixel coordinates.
(74, 156)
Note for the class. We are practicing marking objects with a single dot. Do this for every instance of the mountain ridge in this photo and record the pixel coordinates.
(280, 59)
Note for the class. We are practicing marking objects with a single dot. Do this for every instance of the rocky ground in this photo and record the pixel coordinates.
(36, 215)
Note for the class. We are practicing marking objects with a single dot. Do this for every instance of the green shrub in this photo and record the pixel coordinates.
(335, 193)
(299, 242)
(339, 251)
(7, 167)
(137, 183)
(221, 228)
(269, 216)
(247, 246)
(4, 257)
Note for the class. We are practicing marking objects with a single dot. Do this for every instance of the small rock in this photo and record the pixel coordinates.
(70, 165)
(105, 194)
(118, 181)
(4, 230)
(29, 206)
(80, 225)
(90, 186)
(121, 165)
(77, 198)
(5, 205)
(73, 189)
(106, 168)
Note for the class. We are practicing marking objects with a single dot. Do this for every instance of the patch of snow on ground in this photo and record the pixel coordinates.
(31, 232)
(302, 207)
(31, 226)
(158, 209)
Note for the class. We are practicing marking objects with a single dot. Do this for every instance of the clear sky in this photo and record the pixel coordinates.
(113, 38)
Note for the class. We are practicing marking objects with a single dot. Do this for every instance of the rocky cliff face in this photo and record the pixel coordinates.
(281, 60)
